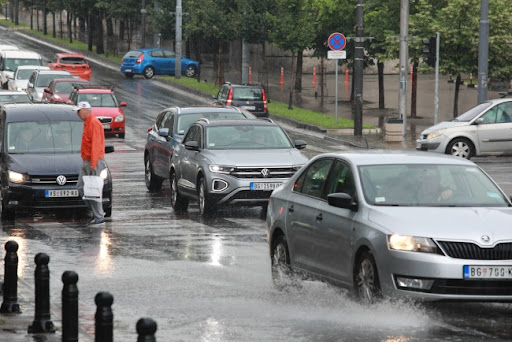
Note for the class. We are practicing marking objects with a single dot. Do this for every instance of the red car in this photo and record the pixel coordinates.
(59, 89)
(105, 107)
(75, 63)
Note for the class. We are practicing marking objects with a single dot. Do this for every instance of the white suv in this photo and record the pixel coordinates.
(11, 59)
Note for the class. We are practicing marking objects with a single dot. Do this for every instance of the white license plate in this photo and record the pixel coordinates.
(61, 193)
(128, 70)
(265, 186)
(106, 126)
(248, 107)
(487, 272)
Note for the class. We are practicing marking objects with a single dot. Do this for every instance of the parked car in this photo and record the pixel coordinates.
(11, 59)
(7, 96)
(105, 107)
(59, 90)
(40, 79)
(483, 130)
(232, 162)
(393, 224)
(5, 47)
(150, 62)
(40, 159)
(21, 75)
(167, 132)
(74, 63)
(251, 97)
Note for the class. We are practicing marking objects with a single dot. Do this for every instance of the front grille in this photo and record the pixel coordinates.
(472, 287)
(258, 172)
(52, 180)
(467, 250)
(104, 119)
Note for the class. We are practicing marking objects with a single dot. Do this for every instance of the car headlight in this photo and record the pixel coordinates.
(104, 174)
(17, 177)
(39, 95)
(20, 89)
(119, 118)
(437, 133)
(411, 243)
(221, 168)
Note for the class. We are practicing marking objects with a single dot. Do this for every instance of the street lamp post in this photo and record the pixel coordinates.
(179, 14)
(143, 25)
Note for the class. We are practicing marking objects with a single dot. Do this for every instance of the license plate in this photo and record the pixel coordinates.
(418, 146)
(248, 107)
(106, 126)
(61, 193)
(128, 70)
(265, 186)
(487, 272)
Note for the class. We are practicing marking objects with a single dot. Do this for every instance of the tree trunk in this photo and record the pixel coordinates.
(298, 74)
(98, 20)
(16, 13)
(69, 21)
(263, 78)
(121, 29)
(81, 29)
(90, 31)
(45, 21)
(414, 90)
(380, 70)
(290, 99)
(31, 17)
(219, 80)
(111, 40)
(456, 97)
(54, 26)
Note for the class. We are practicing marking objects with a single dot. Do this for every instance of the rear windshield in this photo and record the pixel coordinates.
(73, 60)
(133, 54)
(12, 63)
(67, 87)
(247, 94)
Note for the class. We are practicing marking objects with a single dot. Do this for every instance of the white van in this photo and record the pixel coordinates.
(11, 59)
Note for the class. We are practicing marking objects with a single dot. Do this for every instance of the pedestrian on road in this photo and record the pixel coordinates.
(93, 154)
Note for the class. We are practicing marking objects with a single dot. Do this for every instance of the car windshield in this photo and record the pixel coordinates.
(248, 94)
(24, 74)
(99, 100)
(43, 80)
(72, 60)
(44, 137)
(185, 120)
(246, 137)
(427, 185)
(473, 112)
(14, 98)
(132, 54)
(12, 63)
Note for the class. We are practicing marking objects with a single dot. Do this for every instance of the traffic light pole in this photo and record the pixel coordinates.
(436, 100)
(404, 56)
(483, 51)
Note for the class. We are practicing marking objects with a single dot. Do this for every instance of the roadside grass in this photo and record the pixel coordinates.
(276, 108)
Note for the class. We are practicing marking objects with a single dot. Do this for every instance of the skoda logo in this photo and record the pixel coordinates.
(265, 173)
(61, 180)
(485, 238)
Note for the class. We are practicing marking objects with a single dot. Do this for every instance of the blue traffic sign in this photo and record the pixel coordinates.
(337, 41)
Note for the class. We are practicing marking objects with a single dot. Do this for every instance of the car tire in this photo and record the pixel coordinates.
(128, 75)
(282, 275)
(153, 182)
(149, 72)
(178, 202)
(108, 212)
(190, 71)
(366, 279)
(7, 214)
(461, 147)
(206, 207)
(121, 135)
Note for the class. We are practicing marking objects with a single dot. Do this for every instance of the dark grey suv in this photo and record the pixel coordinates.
(251, 97)
(167, 132)
(232, 162)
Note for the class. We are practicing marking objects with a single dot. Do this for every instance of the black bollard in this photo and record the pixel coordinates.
(70, 307)
(104, 328)
(42, 319)
(10, 303)
(146, 329)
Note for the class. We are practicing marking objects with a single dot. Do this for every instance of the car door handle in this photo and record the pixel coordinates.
(319, 217)
(291, 209)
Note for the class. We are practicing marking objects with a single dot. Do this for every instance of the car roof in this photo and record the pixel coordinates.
(95, 90)
(500, 100)
(236, 122)
(53, 72)
(203, 109)
(12, 92)
(21, 54)
(234, 85)
(152, 49)
(38, 112)
(67, 54)
(70, 80)
(32, 67)
(385, 157)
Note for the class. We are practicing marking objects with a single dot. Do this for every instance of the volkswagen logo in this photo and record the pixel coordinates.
(265, 173)
(61, 180)
(485, 238)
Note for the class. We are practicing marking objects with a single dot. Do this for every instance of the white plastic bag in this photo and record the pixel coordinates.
(93, 188)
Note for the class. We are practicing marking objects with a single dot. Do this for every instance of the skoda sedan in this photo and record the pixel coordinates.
(394, 224)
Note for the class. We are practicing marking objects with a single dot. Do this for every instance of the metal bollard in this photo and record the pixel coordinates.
(70, 307)
(10, 288)
(42, 319)
(146, 328)
(104, 327)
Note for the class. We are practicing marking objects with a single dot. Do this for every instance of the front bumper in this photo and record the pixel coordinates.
(431, 145)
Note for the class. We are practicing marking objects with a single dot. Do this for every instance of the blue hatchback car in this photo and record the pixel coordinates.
(150, 62)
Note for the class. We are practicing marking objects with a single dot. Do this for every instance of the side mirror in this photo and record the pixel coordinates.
(342, 200)
(123, 104)
(109, 148)
(192, 145)
(163, 132)
(47, 90)
(479, 121)
(300, 144)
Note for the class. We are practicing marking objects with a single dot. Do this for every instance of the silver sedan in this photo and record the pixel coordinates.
(394, 224)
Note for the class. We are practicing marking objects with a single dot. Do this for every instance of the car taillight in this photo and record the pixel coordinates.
(139, 60)
(150, 128)
(264, 97)
(229, 101)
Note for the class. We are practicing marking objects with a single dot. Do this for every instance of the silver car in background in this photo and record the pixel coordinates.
(485, 129)
(21, 75)
(394, 224)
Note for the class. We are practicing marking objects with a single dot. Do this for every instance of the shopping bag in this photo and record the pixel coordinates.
(93, 188)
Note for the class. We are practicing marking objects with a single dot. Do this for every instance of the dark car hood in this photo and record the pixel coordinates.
(45, 164)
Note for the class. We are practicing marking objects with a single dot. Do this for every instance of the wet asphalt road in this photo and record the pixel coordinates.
(209, 280)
